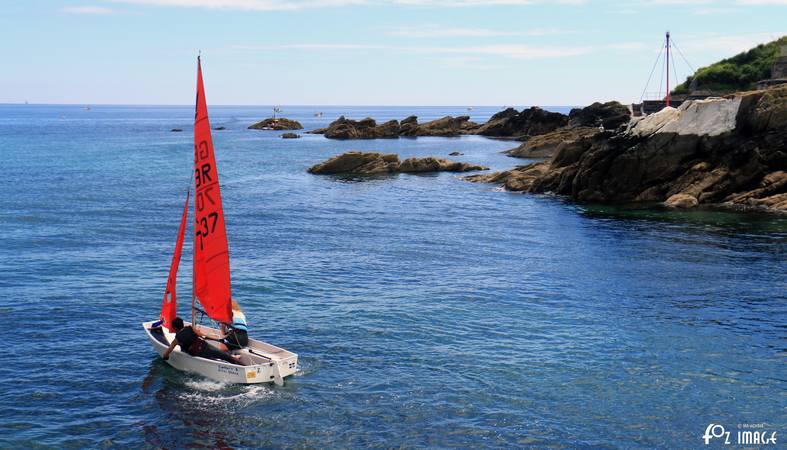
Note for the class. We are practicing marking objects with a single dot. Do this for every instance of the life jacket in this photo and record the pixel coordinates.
(239, 321)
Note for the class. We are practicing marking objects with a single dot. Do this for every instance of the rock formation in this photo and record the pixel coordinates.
(529, 122)
(730, 150)
(290, 136)
(377, 163)
(445, 126)
(344, 128)
(611, 115)
(279, 123)
(546, 145)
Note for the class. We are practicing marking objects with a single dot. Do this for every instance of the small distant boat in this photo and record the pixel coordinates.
(259, 362)
(318, 114)
(469, 108)
(87, 108)
(26, 102)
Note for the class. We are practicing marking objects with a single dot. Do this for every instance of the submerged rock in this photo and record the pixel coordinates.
(682, 201)
(730, 151)
(279, 123)
(290, 136)
(376, 163)
(219, 128)
(455, 154)
(176, 130)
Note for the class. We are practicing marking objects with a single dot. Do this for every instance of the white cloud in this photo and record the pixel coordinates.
(518, 51)
(763, 2)
(468, 62)
(437, 31)
(247, 5)
(678, 2)
(513, 51)
(86, 10)
(728, 44)
(711, 11)
(627, 46)
(623, 11)
(294, 5)
(459, 3)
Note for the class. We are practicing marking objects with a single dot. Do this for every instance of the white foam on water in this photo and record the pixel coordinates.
(207, 385)
(228, 395)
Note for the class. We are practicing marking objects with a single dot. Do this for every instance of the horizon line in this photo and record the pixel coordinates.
(462, 105)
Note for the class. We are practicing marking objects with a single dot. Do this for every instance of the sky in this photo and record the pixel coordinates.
(364, 52)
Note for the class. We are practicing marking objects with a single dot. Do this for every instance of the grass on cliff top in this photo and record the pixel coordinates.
(738, 73)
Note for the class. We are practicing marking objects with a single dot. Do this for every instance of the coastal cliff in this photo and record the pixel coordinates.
(730, 151)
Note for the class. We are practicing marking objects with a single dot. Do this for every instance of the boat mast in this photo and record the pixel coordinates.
(194, 243)
(667, 68)
(193, 283)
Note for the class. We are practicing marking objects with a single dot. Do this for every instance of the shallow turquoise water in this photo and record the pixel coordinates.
(427, 311)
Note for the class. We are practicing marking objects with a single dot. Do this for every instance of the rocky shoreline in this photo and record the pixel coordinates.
(728, 151)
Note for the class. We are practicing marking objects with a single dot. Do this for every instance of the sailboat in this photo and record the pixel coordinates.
(258, 362)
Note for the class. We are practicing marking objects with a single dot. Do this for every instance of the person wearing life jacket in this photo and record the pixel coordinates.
(236, 336)
(193, 343)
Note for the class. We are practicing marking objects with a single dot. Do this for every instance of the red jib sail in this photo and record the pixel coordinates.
(211, 252)
(169, 308)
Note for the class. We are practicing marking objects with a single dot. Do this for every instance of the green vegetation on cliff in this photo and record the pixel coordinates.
(734, 74)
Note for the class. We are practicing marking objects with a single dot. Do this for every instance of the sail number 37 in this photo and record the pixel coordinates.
(203, 230)
(206, 224)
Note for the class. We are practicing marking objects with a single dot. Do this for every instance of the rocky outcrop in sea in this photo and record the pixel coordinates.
(546, 145)
(377, 163)
(278, 124)
(582, 123)
(610, 115)
(511, 123)
(508, 123)
(730, 151)
(344, 128)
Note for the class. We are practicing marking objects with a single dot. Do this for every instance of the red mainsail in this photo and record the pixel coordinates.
(211, 252)
(169, 308)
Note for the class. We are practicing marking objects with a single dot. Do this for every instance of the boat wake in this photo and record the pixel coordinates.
(215, 393)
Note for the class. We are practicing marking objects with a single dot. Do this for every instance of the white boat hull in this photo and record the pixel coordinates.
(263, 363)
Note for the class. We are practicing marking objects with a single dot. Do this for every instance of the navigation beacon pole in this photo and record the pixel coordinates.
(667, 68)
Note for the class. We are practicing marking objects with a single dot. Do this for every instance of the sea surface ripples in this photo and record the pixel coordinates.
(427, 311)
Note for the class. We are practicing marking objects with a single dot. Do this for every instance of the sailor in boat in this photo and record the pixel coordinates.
(236, 336)
(193, 343)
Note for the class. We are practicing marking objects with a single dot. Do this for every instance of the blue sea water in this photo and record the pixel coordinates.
(427, 311)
